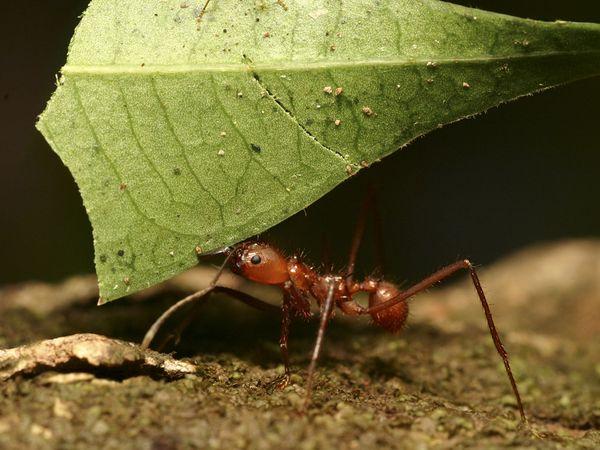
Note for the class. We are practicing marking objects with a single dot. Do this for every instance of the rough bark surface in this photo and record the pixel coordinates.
(439, 384)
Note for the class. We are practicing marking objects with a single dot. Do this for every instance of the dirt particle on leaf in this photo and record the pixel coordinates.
(122, 187)
(266, 34)
(332, 47)
(121, 253)
(349, 169)
(221, 152)
(255, 148)
(176, 171)
(466, 85)
(337, 122)
(318, 13)
(367, 111)
(429, 80)
(240, 94)
(38, 430)
(223, 134)
(338, 91)
(127, 281)
(61, 409)
(198, 250)
(328, 89)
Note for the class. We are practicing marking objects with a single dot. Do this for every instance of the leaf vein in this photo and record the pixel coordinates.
(114, 169)
(143, 152)
(243, 138)
(182, 149)
(291, 116)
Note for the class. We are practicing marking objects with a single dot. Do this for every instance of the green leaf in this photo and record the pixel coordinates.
(187, 130)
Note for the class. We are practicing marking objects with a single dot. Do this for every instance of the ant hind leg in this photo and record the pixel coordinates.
(440, 275)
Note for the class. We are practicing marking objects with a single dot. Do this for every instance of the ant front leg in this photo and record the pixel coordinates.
(294, 303)
(158, 323)
(247, 299)
(440, 275)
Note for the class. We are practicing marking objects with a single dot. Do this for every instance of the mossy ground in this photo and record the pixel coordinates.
(439, 384)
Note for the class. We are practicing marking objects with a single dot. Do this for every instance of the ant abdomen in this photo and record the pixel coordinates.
(392, 319)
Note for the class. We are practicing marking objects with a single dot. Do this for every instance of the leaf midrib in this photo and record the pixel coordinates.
(137, 69)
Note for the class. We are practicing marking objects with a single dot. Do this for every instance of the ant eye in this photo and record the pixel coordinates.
(255, 259)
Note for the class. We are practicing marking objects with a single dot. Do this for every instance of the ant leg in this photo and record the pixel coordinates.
(441, 275)
(378, 234)
(247, 299)
(282, 381)
(325, 315)
(175, 336)
(233, 293)
(359, 231)
(151, 333)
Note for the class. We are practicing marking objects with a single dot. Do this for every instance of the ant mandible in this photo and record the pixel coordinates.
(388, 307)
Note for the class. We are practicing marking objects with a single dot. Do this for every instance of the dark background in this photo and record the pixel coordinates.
(523, 173)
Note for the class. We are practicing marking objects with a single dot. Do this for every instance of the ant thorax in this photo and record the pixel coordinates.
(322, 284)
(301, 275)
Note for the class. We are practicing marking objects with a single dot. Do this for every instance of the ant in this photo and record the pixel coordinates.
(263, 263)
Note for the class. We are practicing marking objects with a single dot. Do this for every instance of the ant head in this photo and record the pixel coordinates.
(259, 262)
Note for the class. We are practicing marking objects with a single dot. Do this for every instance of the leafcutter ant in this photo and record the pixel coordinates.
(299, 282)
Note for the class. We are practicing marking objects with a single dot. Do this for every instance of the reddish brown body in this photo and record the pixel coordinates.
(263, 263)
